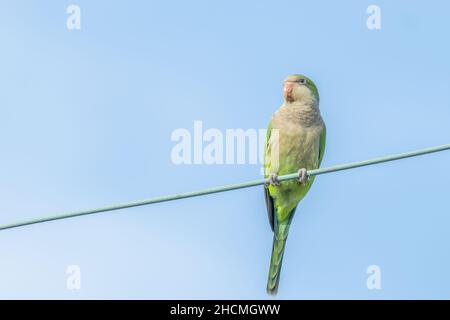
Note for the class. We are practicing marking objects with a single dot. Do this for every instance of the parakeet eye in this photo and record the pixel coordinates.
(302, 81)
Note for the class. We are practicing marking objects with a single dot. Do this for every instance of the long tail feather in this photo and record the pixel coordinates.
(279, 241)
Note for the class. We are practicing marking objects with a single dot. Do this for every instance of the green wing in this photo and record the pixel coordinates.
(323, 140)
(269, 199)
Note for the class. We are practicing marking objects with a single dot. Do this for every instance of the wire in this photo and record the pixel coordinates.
(224, 188)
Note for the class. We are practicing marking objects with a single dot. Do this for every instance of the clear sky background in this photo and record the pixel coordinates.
(86, 117)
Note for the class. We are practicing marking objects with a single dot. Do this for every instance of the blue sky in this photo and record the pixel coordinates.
(87, 115)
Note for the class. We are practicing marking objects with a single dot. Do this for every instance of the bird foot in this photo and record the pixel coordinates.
(273, 180)
(303, 176)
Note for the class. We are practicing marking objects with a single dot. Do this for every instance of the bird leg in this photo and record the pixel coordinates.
(303, 176)
(273, 180)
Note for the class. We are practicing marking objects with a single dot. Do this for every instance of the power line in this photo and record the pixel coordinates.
(229, 187)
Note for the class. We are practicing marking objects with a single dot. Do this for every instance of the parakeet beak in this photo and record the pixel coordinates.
(288, 87)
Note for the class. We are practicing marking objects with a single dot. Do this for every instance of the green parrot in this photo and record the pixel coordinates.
(295, 139)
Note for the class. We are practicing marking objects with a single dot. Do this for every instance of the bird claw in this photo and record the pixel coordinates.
(273, 180)
(303, 176)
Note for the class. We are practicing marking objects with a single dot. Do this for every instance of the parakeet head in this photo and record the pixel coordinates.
(299, 88)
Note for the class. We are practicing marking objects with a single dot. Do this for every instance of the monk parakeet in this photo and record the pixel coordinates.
(295, 142)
